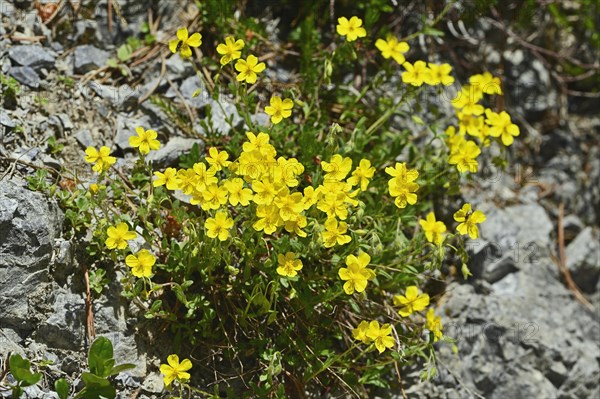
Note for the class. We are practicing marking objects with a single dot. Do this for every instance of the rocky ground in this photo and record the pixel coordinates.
(519, 329)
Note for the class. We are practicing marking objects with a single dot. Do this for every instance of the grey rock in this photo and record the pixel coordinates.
(29, 224)
(557, 374)
(5, 120)
(122, 97)
(36, 57)
(26, 75)
(573, 226)
(65, 120)
(87, 58)
(187, 89)
(499, 269)
(260, 119)
(583, 259)
(523, 382)
(9, 342)
(84, 138)
(65, 327)
(582, 381)
(517, 227)
(177, 68)
(63, 261)
(47, 160)
(35, 392)
(224, 116)
(153, 383)
(526, 338)
(169, 154)
(26, 154)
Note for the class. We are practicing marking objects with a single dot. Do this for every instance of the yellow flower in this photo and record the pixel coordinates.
(237, 193)
(141, 265)
(464, 156)
(230, 50)
(391, 47)
(188, 180)
(415, 73)
(439, 74)
(279, 109)
(101, 158)
(338, 168)
(470, 124)
(169, 178)
(467, 99)
(219, 226)
(214, 196)
(362, 174)
(352, 28)
(360, 332)
(205, 176)
(434, 230)
(248, 69)
(434, 324)
(217, 160)
(380, 335)
(486, 83)
(268, 219)
(334, 204)
(501, 126)
(259, 143)
(175, 370)
(296, 226)
(145, 140)
(468, 221)
(183, 42)
(335, 233)
(356, 274)
(94, 188)
(290, 205)
(118, 236)
(288, 264)
(402, 173)
(411, 301)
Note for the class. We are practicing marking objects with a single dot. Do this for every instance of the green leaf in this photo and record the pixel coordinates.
(465, 271)
(20, 369)
(62, 388)
(96, 387)
(432, 31)
(112, 62)
(124, 53)
(417, 120)
(121, 367)
(100, 352)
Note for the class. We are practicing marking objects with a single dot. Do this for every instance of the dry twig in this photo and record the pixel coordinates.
(562, 260)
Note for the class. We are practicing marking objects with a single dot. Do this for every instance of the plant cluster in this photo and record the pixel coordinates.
(299, 249)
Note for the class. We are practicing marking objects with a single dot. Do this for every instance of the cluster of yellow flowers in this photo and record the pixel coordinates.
(463, 152)
(373, 333)
(141, 263)
(467, 224)
(471, 122)
(402, 185)
(410, 302)
(269, 184)
(258, 176)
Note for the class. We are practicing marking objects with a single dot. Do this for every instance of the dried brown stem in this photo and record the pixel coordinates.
(562, 260)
